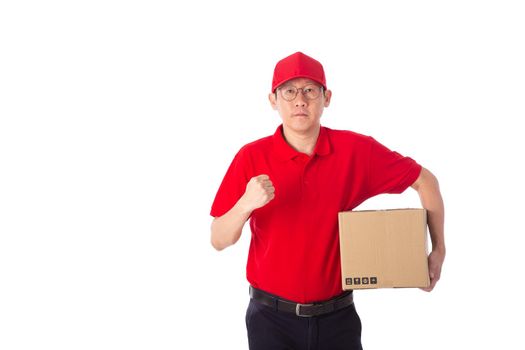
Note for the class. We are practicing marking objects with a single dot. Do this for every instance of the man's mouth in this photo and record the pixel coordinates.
(300, 114)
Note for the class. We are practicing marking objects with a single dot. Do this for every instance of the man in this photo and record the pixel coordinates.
(291, 186)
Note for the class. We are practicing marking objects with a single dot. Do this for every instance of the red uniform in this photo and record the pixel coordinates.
(294, 249)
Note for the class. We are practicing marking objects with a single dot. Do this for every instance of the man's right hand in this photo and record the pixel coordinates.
(227, 229)
(259, 191)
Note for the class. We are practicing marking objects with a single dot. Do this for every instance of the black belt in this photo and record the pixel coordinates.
(303, 310)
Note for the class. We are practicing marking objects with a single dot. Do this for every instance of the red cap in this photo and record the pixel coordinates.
(298, 65)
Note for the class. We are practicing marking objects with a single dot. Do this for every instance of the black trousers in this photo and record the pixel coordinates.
(269, 329)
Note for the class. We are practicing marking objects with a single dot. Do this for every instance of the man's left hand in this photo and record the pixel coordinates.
(435, 262)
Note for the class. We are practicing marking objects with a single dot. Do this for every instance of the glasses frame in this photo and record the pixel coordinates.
(320, 89)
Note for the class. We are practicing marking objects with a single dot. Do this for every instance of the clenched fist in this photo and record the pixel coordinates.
(259, 191)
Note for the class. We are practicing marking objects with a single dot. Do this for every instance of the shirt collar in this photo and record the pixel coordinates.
(286, 152)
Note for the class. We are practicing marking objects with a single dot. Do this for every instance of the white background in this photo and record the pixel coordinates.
(118, 120)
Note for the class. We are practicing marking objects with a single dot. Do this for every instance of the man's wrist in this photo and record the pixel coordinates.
(243, 208)
(440, 248)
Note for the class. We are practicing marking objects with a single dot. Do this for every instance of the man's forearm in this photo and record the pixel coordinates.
(432, 201)
(226, 230)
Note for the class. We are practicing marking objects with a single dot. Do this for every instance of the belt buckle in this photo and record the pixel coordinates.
(298, 310)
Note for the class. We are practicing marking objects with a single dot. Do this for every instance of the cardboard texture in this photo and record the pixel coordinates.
(384, 248)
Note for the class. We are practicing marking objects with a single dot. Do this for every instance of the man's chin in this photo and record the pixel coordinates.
(302, 125)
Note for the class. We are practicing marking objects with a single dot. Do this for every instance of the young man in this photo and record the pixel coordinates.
(291, 186)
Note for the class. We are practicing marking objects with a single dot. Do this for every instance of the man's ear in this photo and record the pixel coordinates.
(273, 100)
(327, 97)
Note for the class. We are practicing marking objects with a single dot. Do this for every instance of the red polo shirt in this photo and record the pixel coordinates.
(294, 249)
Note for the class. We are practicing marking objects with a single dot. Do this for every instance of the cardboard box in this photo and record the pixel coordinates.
(384, 248)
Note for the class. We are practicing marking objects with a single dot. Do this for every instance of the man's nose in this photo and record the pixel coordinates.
(300, 100)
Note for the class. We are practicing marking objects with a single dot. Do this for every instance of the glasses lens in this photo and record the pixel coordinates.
(311, 92)
(288, 93)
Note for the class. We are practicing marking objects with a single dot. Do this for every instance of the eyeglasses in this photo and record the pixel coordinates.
(310, 92)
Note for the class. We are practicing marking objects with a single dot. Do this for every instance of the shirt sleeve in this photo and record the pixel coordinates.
(233, 185)
(389, 171)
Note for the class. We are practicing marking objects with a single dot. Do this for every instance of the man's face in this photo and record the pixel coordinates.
(301, 114)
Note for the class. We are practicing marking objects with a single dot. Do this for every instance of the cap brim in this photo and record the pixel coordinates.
(298, 76)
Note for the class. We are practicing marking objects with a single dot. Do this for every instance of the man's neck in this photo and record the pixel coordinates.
(302, 142)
